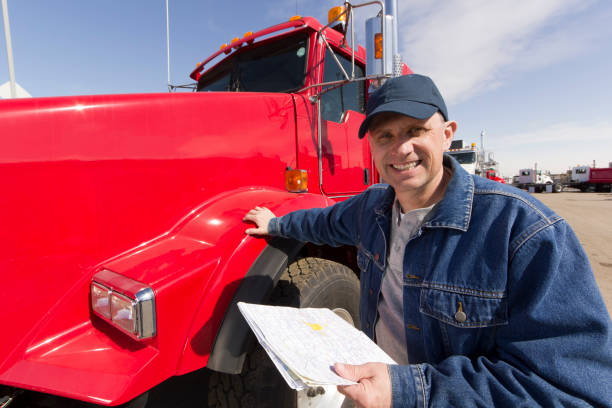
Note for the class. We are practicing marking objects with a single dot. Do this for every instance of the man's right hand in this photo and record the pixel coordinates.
(261, 216)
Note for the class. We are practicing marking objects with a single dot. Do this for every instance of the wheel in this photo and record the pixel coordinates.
(308, 282)
(557, 188)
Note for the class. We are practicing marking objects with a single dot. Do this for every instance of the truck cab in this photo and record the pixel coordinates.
(466, 156)
(123, 245)
(580, 174)
(534, 176)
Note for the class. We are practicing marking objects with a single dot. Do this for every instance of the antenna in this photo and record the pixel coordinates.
(9, 49)
(167, 44)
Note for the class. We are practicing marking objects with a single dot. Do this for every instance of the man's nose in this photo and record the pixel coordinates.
(404, 146)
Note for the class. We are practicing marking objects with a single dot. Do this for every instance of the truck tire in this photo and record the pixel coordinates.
(557, 188)
(308, 282)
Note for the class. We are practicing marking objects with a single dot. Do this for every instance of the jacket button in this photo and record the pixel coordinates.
(460, 316)
(376, 257)
(371, 292)
(368, 325)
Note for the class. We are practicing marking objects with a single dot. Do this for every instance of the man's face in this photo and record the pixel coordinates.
(408, 152)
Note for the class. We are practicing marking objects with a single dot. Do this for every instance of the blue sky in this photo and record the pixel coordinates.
(536, 75)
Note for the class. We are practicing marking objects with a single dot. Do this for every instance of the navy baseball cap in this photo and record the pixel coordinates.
(412, 95)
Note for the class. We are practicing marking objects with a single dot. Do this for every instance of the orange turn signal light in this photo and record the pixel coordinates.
(226, 51)
(378, 45)
(296, 180)
(294, 18)
(234, 41)
(334, 12)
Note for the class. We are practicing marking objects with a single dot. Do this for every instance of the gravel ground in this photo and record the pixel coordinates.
(590, 216)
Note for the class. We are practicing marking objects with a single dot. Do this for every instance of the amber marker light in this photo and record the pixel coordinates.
(378, 45)
(248, 34)
(235, 44)
(294, 18)
(333, 14)
(296, 180)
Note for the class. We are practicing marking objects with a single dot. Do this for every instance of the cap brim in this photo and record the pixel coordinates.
(417, 110)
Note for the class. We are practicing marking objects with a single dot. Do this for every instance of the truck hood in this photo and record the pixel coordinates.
(88, 178)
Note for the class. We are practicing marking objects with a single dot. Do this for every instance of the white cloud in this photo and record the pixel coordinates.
(474, 45)
(555, 147)
(563, 132)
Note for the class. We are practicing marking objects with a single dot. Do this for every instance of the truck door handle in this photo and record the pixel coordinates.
(366, 176)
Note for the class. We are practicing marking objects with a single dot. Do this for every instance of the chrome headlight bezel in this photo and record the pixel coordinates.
(136, 298)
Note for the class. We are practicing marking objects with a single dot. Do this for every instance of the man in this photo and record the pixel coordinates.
(483, 296)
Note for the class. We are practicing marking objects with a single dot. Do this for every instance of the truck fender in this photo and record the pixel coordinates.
(248, 270)
(231, 344)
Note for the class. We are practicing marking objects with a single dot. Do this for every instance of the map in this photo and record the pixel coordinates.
(305, 343)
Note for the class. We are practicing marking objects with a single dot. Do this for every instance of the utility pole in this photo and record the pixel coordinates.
(9, 49)
(167, 43)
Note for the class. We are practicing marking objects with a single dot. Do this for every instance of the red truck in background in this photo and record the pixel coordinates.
(122, 247)
(591, 178)
(492, 175)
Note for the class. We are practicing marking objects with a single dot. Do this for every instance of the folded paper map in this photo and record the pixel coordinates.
(304, 344)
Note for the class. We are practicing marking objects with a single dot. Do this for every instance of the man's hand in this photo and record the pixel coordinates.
(261, 216)
(374, 388)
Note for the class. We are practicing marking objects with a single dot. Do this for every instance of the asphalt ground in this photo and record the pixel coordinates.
(590, 216)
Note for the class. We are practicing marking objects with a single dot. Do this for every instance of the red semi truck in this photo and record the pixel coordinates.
(122, 247)
(492, 175)
(591, 178)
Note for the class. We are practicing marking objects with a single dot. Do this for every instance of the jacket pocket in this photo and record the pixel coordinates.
(363, 261)
(464, 310)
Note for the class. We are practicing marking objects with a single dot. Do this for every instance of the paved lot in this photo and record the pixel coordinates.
(590, 215)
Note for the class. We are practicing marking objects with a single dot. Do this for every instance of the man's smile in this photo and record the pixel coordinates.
(406, 166)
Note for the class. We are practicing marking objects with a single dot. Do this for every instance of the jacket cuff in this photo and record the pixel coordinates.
(274, 227)
(404, 385)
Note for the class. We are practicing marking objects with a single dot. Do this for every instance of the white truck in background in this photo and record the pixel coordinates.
(534, 180)
(466, 156)
(472, 161)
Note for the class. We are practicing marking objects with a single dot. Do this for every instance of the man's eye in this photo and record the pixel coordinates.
(416, 132)
(382, 138)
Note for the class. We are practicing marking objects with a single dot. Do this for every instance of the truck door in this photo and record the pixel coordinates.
(346, 167)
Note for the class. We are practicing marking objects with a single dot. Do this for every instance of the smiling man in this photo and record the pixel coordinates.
(483, 296)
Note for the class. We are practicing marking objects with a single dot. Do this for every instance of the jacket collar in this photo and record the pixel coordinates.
(455, 208)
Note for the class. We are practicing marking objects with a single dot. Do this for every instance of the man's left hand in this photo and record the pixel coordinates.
(374, 388)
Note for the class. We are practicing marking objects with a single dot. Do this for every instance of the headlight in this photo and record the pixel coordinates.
(127, 304)
(100, 296)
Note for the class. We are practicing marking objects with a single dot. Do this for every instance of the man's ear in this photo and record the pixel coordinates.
(450, 127)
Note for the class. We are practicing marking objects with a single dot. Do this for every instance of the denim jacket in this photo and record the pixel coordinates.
(501, 307)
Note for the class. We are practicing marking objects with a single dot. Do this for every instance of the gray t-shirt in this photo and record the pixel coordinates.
(390, 330)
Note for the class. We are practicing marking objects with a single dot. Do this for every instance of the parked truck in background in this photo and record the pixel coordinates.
(122, 247)
(468, 158)
(535, 180)
(588, 178)
(491, 174)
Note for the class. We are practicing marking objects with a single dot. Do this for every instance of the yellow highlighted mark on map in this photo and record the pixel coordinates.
(315, 326)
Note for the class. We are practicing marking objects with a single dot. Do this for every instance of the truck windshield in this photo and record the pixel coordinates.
(464, 157)
(279, 66)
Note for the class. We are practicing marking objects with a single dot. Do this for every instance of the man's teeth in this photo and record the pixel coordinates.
(406, 166)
